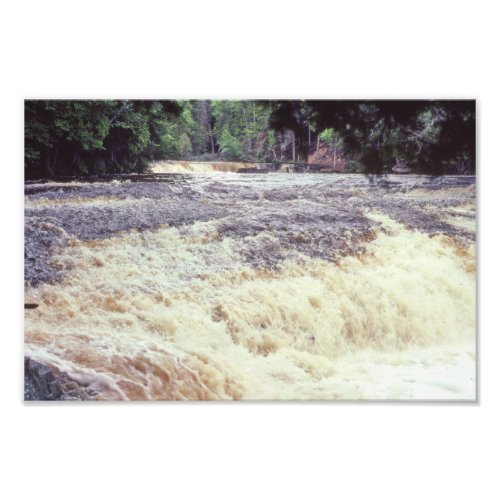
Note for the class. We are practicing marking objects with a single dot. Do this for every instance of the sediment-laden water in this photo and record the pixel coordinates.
(222, 285)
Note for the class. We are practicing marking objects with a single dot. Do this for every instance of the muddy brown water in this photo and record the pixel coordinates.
(260, 286)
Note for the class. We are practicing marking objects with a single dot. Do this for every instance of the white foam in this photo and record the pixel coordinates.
(164, 314)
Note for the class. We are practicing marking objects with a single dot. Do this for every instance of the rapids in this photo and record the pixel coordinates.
(223, 285)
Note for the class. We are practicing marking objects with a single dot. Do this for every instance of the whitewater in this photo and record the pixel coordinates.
(198, 284)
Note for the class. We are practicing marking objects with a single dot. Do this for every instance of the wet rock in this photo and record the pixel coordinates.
(41, 237)
(103, 220)
(44, 383)
(40, 383)
(269, 218)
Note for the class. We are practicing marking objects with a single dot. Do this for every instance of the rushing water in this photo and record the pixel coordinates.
(256, 286)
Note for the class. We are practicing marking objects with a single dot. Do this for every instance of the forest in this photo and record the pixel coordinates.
(95, 137)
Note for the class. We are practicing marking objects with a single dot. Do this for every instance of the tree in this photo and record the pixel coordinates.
(112, 136)
(293, 116)
(229, 145)
(91, 137)
(433, 136)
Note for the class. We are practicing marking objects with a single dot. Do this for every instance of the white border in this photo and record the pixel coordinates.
(392, 49)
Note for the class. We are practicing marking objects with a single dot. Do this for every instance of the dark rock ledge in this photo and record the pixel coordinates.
(45, 383)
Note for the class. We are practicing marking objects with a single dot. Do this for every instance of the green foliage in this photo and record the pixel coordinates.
(431, 136)
(92, 137)
(229, 145)
(185, 146)
(326, 135)
(113, 136)
(83, 122)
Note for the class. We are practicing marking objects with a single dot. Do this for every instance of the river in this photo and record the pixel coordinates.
(223, 285)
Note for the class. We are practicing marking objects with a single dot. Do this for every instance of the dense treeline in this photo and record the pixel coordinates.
(427, 136)
(92, 137)
(116, 136)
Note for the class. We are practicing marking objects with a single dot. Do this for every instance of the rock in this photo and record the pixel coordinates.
(44, 383)
(40, 383)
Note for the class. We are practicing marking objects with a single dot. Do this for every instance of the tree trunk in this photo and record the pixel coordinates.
(53, 163)
(211, 139)
(303, 145)
(208, 118)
